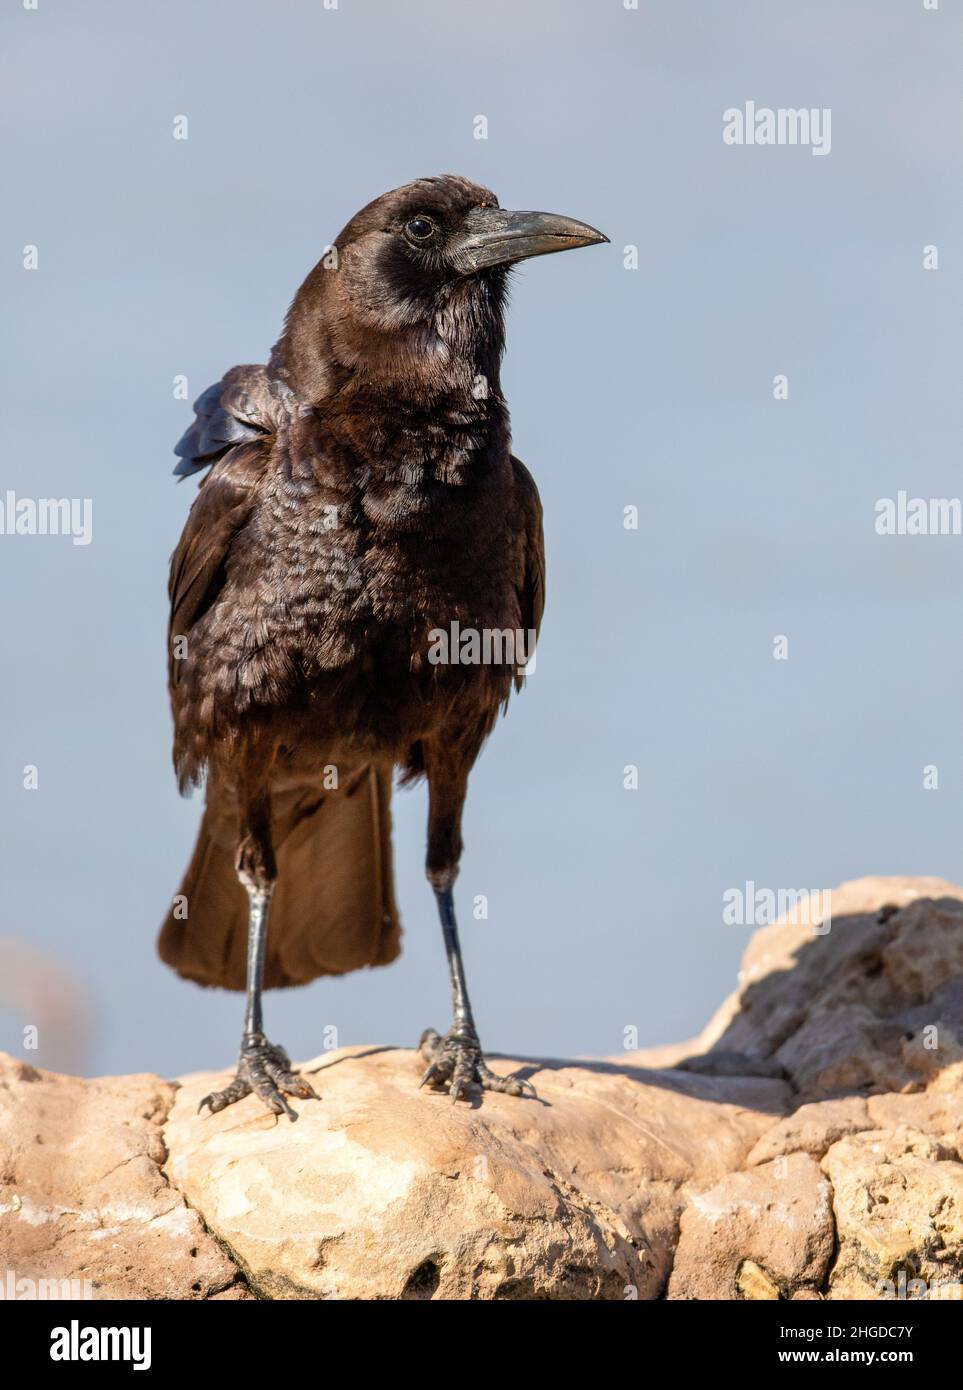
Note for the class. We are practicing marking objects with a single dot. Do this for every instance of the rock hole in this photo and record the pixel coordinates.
(422, 1282)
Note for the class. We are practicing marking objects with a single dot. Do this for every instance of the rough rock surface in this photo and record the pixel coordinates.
(809, 1144)
(776, 1218)
(83, 1197)
(400, 1194)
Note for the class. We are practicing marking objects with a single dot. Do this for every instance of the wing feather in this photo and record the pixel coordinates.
(531, 573)
(235, 426)
(245, 406)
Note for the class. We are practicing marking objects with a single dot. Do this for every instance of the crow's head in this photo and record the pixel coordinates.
(410, 295)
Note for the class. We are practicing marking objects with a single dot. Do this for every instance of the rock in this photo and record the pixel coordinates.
(848, 1010)
(806, 1145)
(898, 1199)
(935, 1112)
(400, 1194)
(811, 1129)
(82, 1194)
(759, 1234)
(720, 1063)
(754, 1283)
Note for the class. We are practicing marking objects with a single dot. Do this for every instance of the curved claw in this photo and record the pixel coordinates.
(457, 1058)
(264, 1070)
(220, 1100)
(513, 1085)
(521, 1087)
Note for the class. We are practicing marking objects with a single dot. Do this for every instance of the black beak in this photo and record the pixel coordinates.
(495, 237)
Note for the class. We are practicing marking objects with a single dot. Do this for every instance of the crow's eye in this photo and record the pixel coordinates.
(420, 230)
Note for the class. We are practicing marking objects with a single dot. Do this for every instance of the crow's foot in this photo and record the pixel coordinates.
(266, 1070)
(457, 1060)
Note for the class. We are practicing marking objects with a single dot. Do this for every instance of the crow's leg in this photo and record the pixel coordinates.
(262, 1068)
(455, 1059)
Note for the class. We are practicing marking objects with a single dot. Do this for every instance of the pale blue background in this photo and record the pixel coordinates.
(651, 387)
